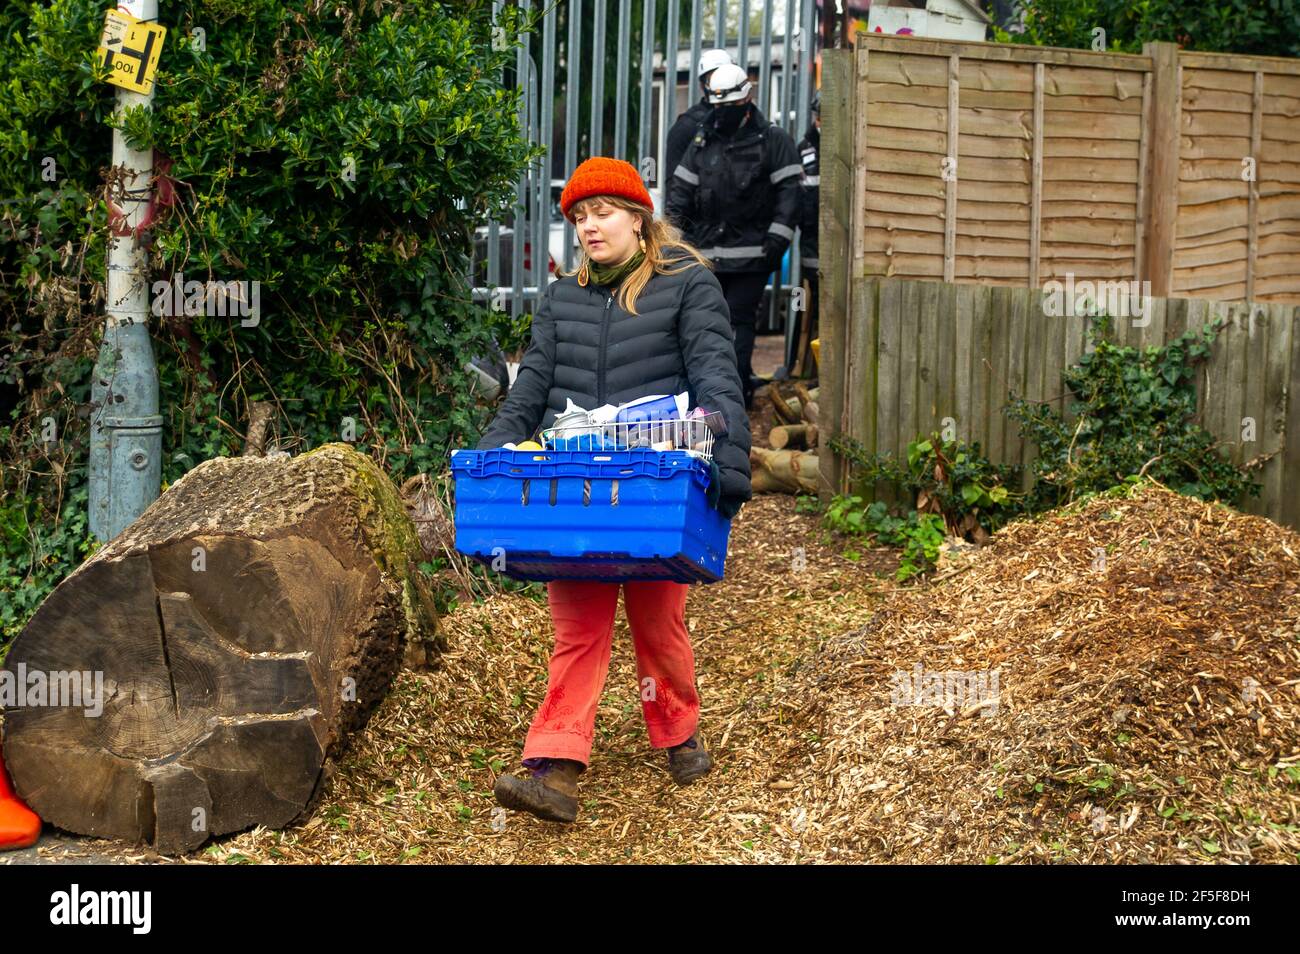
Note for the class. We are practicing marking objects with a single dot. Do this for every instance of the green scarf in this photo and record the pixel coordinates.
(611, 275)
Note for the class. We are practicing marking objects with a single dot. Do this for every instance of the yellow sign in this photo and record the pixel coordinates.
(130, 48)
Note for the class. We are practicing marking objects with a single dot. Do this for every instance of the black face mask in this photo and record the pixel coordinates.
(727, 118)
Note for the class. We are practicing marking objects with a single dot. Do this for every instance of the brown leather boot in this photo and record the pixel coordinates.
(689, 761)
(549, 792)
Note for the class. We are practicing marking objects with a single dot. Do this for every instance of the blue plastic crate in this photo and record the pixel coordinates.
(594, 515)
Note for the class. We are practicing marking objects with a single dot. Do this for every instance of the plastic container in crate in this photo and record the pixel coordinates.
(612, 516)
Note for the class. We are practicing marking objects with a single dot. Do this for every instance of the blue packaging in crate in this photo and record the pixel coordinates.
(612, 516)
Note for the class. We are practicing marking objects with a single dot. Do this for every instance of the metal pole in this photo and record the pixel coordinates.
(647, 84)
(742, 37)
(720, 25)
(671, 39)
(697, 36)
(539, 195)
(597, 147)
(807, 56)
(573, 87)
(546, 132)
(520, 232)
(765, 63)
(125, 467)
(620, 104)
(493, 229)
(786, 64)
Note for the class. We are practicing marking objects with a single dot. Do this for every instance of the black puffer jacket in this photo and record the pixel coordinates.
(585, 347)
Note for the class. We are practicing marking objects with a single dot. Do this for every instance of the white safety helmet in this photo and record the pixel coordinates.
(711, 59)
(728, 84)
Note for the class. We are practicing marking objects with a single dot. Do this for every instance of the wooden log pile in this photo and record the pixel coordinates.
(789, 464)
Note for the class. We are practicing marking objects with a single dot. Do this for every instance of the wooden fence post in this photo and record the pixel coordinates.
(836, 220)
(1252, 199)
(1161, 144)
(950, 179)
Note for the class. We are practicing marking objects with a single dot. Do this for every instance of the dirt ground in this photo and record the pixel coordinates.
(1125, 731)
(416, 785)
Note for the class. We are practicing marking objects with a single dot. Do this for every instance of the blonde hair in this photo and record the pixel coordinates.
(661, 238)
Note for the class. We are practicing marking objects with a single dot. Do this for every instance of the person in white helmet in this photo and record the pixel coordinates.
(735, 196)
(679, 136)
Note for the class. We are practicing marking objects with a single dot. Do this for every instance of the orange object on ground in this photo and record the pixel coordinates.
(583, 613)
(20, 827)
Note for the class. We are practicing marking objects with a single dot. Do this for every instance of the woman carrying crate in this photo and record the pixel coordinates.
(642, 315)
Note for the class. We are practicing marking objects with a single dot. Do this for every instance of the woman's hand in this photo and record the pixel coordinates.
(709, 352)
(727, 506)
(520, 414)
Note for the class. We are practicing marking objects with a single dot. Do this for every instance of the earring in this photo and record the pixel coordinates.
(641, 239)
(582, 275)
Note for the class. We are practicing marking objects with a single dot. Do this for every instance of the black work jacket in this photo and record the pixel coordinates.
(681, 133)
(810, 188)
(731, 193)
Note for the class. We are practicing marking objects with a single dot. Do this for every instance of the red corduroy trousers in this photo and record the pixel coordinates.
(583, 613)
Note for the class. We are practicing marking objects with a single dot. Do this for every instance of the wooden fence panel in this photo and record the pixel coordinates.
(925, 352)
(998, 169)
(1016, 165)
(1003, 165)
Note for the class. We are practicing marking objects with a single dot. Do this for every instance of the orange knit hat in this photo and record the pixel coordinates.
(603, 176)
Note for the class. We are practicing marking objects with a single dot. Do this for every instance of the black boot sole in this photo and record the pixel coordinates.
(530, 795)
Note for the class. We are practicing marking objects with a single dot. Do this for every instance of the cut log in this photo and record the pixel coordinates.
(807, 404)
(762, 482)
(791, 472)
(238, 632)
(793, 436)
(785, 413)
(788, 411)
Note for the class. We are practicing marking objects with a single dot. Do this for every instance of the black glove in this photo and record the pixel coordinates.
(773, 251)
(726, 506)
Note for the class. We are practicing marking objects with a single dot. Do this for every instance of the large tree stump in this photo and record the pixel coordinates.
(244, 626)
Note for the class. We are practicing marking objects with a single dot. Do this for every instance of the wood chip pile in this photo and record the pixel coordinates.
(1117, 682)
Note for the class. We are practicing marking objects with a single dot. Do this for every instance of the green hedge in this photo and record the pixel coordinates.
(364, 313)
(1252, 27)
